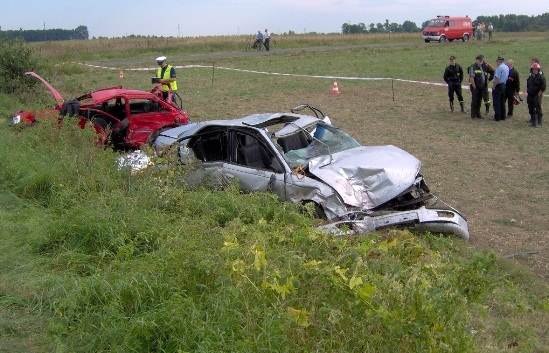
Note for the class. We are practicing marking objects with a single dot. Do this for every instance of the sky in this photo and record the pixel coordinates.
(220, 17)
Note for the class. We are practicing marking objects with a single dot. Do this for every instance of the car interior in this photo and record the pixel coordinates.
(115, 107)
(211, 147)
(139, 106)
(295, 141)
(249, 151)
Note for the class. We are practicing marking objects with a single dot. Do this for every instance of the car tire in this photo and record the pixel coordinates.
(442, 39)
(465, 38)
(427, 41)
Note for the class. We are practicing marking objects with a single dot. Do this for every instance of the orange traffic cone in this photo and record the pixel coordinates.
(335, 89)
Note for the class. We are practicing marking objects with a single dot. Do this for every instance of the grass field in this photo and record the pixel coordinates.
(91, 262)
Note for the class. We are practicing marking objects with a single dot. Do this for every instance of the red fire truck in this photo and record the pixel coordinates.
(448, 28)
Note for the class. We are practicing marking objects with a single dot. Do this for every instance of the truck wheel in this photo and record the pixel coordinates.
(465, 38)
(442, 39)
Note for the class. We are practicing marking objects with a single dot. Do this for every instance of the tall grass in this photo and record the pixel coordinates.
(146, 264)
(113, 47)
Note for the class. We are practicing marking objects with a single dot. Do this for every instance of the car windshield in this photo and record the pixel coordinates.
(318, 140)
(437, 23)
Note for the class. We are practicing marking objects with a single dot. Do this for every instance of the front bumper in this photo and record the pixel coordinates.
(431, 37)
(422, 219)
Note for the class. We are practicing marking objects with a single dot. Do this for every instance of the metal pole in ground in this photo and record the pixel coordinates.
(213, 74)
(393, 88)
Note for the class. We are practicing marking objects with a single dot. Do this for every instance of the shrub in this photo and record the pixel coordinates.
(16, 58)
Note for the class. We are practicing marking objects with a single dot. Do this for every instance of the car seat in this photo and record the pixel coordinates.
(296, 141)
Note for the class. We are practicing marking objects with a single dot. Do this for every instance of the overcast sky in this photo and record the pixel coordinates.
(205, 17)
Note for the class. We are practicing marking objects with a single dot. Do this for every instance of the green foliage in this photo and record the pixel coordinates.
(406, 27)
(517, 23)
(15, 59)
(54, 34)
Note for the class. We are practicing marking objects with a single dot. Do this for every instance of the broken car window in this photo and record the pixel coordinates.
(115, 107)
(210, 147)
(250, 152)
(138, 106)
(320, 139)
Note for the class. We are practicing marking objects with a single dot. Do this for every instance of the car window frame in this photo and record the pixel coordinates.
(260, 138)
(200, 135)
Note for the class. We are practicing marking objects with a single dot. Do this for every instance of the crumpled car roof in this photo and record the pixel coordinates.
(256, 120)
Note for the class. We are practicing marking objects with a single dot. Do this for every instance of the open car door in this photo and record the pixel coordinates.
(55, 94)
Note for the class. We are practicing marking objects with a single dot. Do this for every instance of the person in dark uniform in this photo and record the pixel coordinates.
(489, 76)
(453, 76)
(512, 87)
(535, 86)
(477, 84)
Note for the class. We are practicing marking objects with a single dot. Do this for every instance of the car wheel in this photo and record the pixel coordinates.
(427, 41)
(442, 39)
(465, 38)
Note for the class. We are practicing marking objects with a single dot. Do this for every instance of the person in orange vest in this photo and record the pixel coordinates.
(166, 76)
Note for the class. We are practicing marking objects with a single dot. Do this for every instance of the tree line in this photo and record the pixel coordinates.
(37, 35)
(406, 26)
(517, 23)
(502, 23)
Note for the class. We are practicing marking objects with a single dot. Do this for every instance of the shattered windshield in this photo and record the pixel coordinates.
(317, 140)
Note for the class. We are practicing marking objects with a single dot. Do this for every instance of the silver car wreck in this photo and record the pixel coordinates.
(304, 159)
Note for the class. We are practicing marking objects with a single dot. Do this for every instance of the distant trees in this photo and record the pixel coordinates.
(37, 35)
(406, 26)
(502, 23)
(517, 23)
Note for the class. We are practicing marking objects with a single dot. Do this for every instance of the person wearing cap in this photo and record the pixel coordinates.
(167, 77)
(477, 83)
(453, 76)
(535, 86)
(498, 89)
(488, 76)
(512, 87)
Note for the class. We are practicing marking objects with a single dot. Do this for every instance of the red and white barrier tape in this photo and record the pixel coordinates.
(342, 78)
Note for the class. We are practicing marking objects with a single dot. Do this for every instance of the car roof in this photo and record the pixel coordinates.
(258, 121)
(102, 95)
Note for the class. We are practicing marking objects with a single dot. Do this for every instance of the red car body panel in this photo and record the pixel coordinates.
(140, 125)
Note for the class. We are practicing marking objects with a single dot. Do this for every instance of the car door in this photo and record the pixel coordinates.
(253, 164)
(144, 115)
(209, 150)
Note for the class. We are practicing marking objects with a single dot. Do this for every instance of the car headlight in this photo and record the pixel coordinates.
(16, 119)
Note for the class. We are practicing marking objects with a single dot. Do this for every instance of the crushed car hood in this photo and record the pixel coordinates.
(367, 176)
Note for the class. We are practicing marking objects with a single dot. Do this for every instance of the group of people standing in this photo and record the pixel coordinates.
(505, 87)
(262, 39)
(480, 28)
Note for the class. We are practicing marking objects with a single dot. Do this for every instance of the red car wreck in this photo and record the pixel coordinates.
(124, 118)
